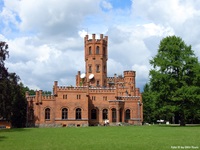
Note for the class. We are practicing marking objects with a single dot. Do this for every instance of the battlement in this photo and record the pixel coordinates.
(30, 97)
(48, 97)
(103, 39)
(71, 88)
(129, 73)
(134, 98)
(101, 90)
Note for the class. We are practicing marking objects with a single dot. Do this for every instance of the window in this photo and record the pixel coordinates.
(94, 114)
(90, 68)
(127, 114)
(94, 98)
(90, 50)
(97, 68)
(105, 98)
(47, 114)
(78, 113)
(64, 113)
(78, 96)
(105, 114)
(114, 113)
(65, 96)
(97, 50)
(98, 83)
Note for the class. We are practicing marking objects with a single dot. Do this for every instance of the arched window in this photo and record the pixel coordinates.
(90, 69)
(97, 50)
(94, 114)
(47, 114)
(114, 115)
(105, 114)
(127, 114)
(90, 50)
(97, 68)
(78, 113)
(64, 113)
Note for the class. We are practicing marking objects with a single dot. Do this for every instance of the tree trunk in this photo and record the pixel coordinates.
(182, 119)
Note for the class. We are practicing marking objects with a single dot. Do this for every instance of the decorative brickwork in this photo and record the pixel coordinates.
(95, 100)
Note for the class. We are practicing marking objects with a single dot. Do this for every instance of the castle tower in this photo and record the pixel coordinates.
(96, 56)
(129, 79)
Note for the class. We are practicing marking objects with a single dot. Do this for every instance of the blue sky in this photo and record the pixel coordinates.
(46, 37)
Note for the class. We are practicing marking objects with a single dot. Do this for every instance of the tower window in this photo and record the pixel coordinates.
(97, 82)
(90, 50)
(97, 68)
(97, 50)
(90, 68)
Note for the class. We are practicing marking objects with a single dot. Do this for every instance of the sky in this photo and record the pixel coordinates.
(45, 37)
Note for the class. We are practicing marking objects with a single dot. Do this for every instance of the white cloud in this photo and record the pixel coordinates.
(106, 5)
(48, 44)
(54, 17)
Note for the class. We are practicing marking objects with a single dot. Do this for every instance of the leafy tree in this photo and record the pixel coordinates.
(175, 78)
(12, 99)
(3, 81)
(148, 105)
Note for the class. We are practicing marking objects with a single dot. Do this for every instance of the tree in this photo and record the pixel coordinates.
(12, 98)
(175, 78)
(3, 80)
(148, 105)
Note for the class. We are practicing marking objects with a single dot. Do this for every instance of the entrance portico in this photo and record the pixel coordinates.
(116, 108)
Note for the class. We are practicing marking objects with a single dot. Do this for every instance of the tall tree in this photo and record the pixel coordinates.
(175, 78)
(148, 105)
(12, 99)
(3, 80)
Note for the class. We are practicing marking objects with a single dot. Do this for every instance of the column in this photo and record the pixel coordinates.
(110, 115)
(117, 115)
(100, 117)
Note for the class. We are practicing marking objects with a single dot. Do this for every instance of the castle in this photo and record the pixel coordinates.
(95, 100)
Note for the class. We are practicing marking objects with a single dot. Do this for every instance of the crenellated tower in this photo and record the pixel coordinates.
(96, 56)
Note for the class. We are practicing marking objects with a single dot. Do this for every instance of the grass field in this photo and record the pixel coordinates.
(101, 138)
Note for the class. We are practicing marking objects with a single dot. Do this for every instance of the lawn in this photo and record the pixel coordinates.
(103, 138)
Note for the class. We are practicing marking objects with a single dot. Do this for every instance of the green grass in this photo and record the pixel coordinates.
(101, 138)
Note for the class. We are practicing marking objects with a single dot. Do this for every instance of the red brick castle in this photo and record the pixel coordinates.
(95, 100)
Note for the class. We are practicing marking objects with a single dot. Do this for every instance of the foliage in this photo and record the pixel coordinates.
(100, 138)
(175, 78)
(12, 99)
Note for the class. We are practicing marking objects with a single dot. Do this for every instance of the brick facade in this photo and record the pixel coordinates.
(95, 100)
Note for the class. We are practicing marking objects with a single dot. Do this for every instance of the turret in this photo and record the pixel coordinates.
(96, 55)
(129, 79)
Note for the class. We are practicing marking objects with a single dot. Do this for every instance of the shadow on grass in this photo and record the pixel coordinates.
(2, 138)
(178, 126)
(15, 130)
